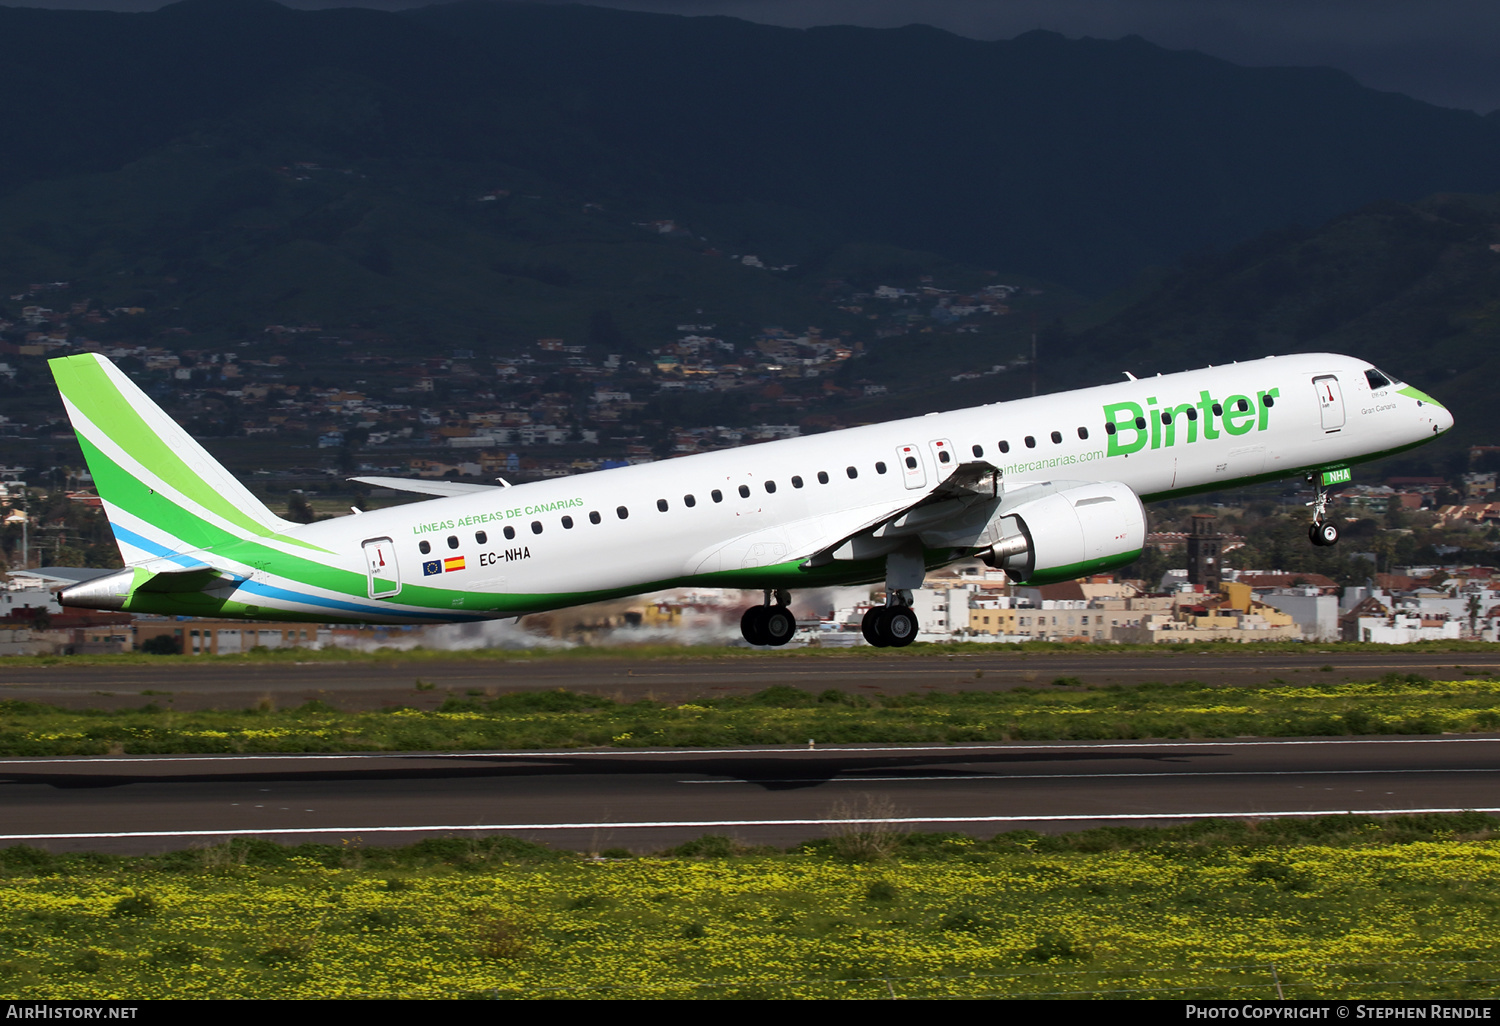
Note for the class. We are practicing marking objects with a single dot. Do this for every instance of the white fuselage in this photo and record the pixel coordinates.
(746, 516)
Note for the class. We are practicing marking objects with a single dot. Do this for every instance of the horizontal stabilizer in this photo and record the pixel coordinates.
(115, 588)
(424, 487)
(191, 579)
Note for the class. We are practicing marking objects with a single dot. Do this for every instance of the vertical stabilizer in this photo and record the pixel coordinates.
(164, 494)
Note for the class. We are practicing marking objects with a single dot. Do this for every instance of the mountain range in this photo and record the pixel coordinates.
(482, 173)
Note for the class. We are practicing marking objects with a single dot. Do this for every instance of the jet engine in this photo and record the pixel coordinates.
(1066, 532)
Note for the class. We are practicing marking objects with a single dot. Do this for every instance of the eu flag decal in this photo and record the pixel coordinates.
(432, 566)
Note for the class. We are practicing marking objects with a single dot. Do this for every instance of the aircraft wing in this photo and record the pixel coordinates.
(970, 492)
(68, 574)
(426, 487)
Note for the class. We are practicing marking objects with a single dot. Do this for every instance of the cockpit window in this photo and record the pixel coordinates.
(1377, 379)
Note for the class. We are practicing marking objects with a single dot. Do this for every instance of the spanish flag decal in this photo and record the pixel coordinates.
(453, 563)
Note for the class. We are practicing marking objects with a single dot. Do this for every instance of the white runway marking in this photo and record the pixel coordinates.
(721, 823)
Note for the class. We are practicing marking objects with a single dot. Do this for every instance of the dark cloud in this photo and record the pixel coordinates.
(1441, 51)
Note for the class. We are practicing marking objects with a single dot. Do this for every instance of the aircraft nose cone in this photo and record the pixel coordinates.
(1442, 420)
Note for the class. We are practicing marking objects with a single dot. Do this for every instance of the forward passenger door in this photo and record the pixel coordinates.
(1331, 401)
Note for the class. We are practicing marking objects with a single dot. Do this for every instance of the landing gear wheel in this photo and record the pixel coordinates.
(1313, 534)
(1328, 534)
(777, 625)
(889, 627)
(900, 626)
(753, 626)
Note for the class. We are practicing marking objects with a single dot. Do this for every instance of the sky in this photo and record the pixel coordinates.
(1441, 51)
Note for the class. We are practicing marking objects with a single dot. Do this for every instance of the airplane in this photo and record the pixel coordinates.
(1047, 489)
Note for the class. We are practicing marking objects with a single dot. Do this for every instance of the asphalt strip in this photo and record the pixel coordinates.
(615, 753)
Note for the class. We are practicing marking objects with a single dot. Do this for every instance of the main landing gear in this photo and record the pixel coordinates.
(894, 625)
(1321, 531)
(891, 626)
(770, 624)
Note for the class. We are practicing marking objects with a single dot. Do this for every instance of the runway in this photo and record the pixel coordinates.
(649, 800)
(186, 683)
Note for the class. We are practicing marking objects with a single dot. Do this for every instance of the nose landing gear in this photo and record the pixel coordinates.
(1321, 531)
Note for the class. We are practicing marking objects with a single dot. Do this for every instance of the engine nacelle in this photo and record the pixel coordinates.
(1080, 529)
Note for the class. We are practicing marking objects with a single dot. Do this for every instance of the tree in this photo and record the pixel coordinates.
(297, 508)
(162, 644)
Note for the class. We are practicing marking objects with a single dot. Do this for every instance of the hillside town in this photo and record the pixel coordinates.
(360, 399)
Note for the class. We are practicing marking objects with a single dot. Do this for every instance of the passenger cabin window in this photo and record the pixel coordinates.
(1242, 405)
(851, 472)
(567, 523)
(1166, 416)
(796, 481)
(744, 491)
(424, 547)
(661, 504)
(1083, 432)
(1004, 447)
(621, 512)
(1192, 413)
(822, 477)
(481, 537)
(770, 487)
(1057, 438)
(510, 532)
(689, 501)
(911, 463)
(1140, 423)
(453, 541)
(944, 456)
(1218, 410)
(880, 467)
(716, 495)
(536, 527)
(1030, 442)
(978, 451)
(594, 517)
(1109, 428)
(1268, 399)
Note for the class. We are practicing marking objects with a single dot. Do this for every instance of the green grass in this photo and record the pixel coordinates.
(1474, 649)
(776, 716)
(1340, 907)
